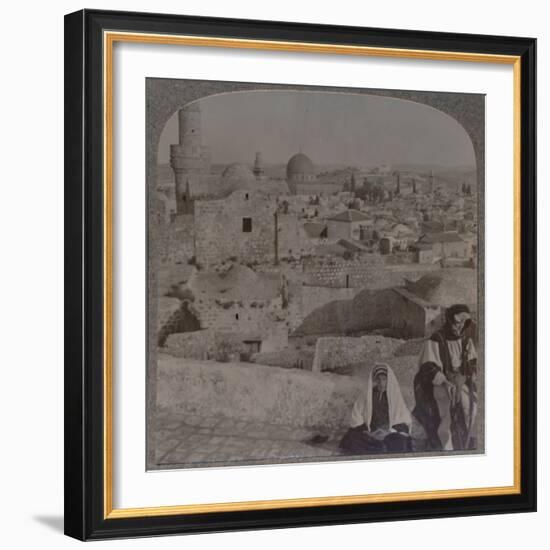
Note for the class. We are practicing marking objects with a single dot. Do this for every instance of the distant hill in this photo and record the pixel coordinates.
(447, 177)
(435, 167)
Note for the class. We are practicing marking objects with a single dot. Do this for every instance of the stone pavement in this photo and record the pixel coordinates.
(195, 441)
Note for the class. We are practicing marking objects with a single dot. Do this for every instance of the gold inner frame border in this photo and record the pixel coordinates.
(109, 39)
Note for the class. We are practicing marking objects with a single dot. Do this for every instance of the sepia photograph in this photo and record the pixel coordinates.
(300, 273)
(315, 273)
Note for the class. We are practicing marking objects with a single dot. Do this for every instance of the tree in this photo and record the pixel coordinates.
(352, 183)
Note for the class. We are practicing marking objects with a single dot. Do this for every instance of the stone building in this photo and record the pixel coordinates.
(249, 227)
(348, 225)
(252, 306)
(397, 237)
(448, 244)
(423, 253)
(382, 302)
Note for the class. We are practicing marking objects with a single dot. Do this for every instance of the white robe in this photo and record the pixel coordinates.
(398, 411)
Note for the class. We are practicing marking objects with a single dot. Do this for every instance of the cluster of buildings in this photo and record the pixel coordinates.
(268, 251)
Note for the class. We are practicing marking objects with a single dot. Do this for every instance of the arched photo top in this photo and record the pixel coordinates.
(330, 127)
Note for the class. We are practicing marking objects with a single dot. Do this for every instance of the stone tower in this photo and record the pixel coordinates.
(258, 169)
(187, 157)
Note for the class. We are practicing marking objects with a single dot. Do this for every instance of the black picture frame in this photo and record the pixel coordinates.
(84, 282)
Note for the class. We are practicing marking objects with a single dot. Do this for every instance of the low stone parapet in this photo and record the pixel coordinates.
(252, 392)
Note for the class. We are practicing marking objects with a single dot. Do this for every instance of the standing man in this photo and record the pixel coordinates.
(445, 387)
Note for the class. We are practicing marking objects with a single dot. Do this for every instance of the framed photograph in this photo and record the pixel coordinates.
(300, 274)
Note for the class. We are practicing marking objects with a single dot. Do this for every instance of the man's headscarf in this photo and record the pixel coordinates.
(450, 313)
(398, 411)
(455, 309)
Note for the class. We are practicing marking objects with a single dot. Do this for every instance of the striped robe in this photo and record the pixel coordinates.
(449, 423)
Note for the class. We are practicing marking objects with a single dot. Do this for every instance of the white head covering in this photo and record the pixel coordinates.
(398, 411)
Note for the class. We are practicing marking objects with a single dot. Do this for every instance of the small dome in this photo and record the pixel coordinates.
(237, 171)
(237, 177)
(298, 166)
(446, 288)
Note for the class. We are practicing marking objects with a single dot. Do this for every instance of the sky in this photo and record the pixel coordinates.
(331, 128)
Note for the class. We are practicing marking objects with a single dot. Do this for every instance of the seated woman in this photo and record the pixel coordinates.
(380, 420)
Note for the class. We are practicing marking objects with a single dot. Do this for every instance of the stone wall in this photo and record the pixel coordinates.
(357, 356)
(206, 344)
(339, 273)
(459, 249)
(336, 353)
(255, 393)
(265, 319)
(293, 242)
(367, 271)
(176, 240)
(288, 358)
(400, 258)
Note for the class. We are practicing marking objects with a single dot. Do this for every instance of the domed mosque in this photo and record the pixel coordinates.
(300, 169)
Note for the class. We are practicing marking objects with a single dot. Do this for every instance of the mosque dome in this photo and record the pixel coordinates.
(238, 171)
(237, 177)
(300, 168)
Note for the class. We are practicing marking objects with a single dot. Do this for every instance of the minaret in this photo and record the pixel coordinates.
(258, 169)
(414, 185)
(352, 183)
(397, 183)
(187, 157)
(431, 180)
